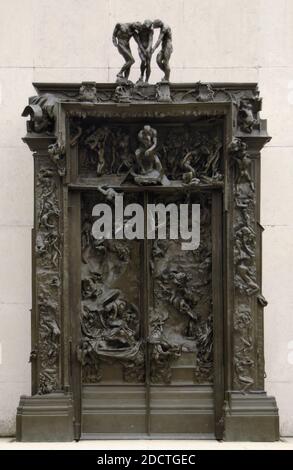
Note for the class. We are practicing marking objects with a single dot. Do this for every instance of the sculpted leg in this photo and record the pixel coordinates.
(160, 61)
(129, 61)
(148, 70)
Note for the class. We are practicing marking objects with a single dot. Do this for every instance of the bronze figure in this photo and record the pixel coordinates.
(144, 37)
(122, 34)
(148, 169)
(165, 39)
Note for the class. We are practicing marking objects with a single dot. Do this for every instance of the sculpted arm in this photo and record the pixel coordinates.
(160, 38)
(155, 141)
(137, 40)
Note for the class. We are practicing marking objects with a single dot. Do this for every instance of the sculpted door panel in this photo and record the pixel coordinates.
(180, 319)
(147, 325)
(111, 317)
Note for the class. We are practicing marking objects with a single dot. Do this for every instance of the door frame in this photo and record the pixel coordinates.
(74, 299)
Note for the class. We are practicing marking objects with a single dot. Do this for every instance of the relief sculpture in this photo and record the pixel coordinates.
(110, 331)
(110, 317)
(137, 335)
(180, 314)
(48, 256)
(152, 155)
(245, 279)
(181, 319)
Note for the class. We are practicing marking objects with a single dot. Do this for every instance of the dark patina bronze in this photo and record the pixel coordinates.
(139, 338)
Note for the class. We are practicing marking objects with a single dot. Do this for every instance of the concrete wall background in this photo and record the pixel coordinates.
(214, 40)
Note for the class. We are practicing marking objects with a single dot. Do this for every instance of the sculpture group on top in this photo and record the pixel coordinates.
(143, 34)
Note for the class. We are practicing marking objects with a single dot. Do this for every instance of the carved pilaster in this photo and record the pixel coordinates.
(246, 288)
(47, 246)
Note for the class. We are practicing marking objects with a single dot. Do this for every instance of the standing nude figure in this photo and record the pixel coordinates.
(164, 55)
(144, 38)
(122, 34)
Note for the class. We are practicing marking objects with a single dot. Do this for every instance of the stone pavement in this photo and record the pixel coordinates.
(9, 443)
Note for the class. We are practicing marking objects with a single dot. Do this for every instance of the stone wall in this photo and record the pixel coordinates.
(214, 40)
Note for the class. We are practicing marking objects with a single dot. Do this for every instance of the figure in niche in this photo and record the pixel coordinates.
(244, 165)
(241, 365)
(163, 57)
(121, 250)
(211, 169)
(204, 341)
(122, 34)
(201, 164)
(110, 331)
(97, 142)
(243, 200)
(143, 35)
(171, 149)
(86, 233)
(188, 164)
(179, 294)
(162, 356)
(57, 154)
(48, 246)
(91, 368)
(246, 118)
(117, 331)
(49, 328)
(91, 286)
(52, 247)
(238, 149)
(86, 239)
(163, 353)
(245, 278)
(246, 236)
(157, 321)
(120, 152)
(148, 169)
(48, 201)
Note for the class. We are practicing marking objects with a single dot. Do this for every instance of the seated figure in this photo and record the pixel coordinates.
(148, 169)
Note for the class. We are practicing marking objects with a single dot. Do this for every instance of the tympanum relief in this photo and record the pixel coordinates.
(151, 154)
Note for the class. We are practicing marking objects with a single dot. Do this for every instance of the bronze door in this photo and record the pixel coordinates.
(147, 326)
